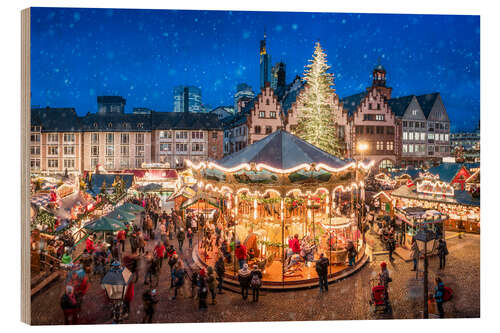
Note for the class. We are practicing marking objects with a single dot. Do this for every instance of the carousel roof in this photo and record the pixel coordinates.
(281, 150)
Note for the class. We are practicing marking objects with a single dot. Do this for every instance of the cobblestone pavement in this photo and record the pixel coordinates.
(346, 300)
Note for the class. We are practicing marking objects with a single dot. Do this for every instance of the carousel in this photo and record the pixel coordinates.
(286, 202)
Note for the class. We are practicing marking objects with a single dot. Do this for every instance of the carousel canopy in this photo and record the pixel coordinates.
(281, 150)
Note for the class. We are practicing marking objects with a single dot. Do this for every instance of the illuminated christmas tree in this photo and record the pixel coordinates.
(317, 121)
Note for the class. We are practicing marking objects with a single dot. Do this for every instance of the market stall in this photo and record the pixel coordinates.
(282, 190)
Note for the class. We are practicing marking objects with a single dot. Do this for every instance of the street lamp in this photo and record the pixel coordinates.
(362, 147)
(115, 284)
(426, 241)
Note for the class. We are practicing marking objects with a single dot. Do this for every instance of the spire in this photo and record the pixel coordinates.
(263, 44)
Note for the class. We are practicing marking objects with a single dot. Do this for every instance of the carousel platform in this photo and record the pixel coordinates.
(306, 278)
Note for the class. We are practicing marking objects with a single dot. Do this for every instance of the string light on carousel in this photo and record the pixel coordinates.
(277, 190)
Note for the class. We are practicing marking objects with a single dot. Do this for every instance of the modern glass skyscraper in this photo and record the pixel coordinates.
(187, 99)
(243, 90)
(265, 64)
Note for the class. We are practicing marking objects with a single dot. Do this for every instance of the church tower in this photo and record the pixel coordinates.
(379, 81)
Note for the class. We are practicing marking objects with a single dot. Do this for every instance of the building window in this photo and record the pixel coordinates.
(93, 163)
(431, 136)
(405, 148)
(405, 135)
(262, 114)
(109, 150)
(94, 151)
(197, 147)
(272, 114)
(257, 130)
(124, 163)
(370, 106)
(181, 147)
(389, 145)
(110, 163)
(165, 135)
(94, 138)
(380, 129)
(436, 149)
(385, 164)
(69, 137)
(380, 145)
(378, 106)
(139, 162)
(359, 129)
(69, 164)
(52, 150)
(53, 163)
(405, 124)
(441, 137)
(422, 135)
(417, 136)
(181, 135)
(410, 148)
(164, 147)
(109, 138)
(52, 138)
(35, 164)
(35, 150)
(139, 151)
(410, 136)
(124, 139)
(140, 125)
(380, 117)
(139, 139)
(369, 129)
(197, 135)
(214, 135)
(269, 129)
(124, 150)
(446, 137)
(389, 130)
(69, 150)
(35, 137)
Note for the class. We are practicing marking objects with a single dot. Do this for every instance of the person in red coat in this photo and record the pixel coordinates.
(240, 253)
(294, 244)
(120, 237)
(89, 245)
(159, 252)
(129, 296)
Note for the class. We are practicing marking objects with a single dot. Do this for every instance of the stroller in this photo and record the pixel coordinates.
(379, 300)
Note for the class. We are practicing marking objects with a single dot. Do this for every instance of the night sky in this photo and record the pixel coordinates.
(79, 54)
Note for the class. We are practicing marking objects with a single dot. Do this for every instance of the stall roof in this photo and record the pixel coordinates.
(156, 174)
(98, 178)
(412, 172)
(281, 150)
(446, 171)
(460, 198)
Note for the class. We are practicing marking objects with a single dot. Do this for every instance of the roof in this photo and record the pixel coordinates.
(427, 102)
(412, 172)
(155, 173)
(55, 119)
(379, 67)
(110, 99)
(98, 178)
(351, 103)
(281, 150)
(115, 122)
(185, 121)
(66, 120)
(446, 171)
(399, 105)
(460, 198)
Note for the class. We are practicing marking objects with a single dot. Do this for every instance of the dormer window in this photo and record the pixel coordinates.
(95, 125)
(140, 125)
(110, 125)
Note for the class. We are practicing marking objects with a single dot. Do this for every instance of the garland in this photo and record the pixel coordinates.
(272, 244)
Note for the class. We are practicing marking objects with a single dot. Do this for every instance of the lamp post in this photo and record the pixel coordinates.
(115, 283)
(362, 147)
(423, 237)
